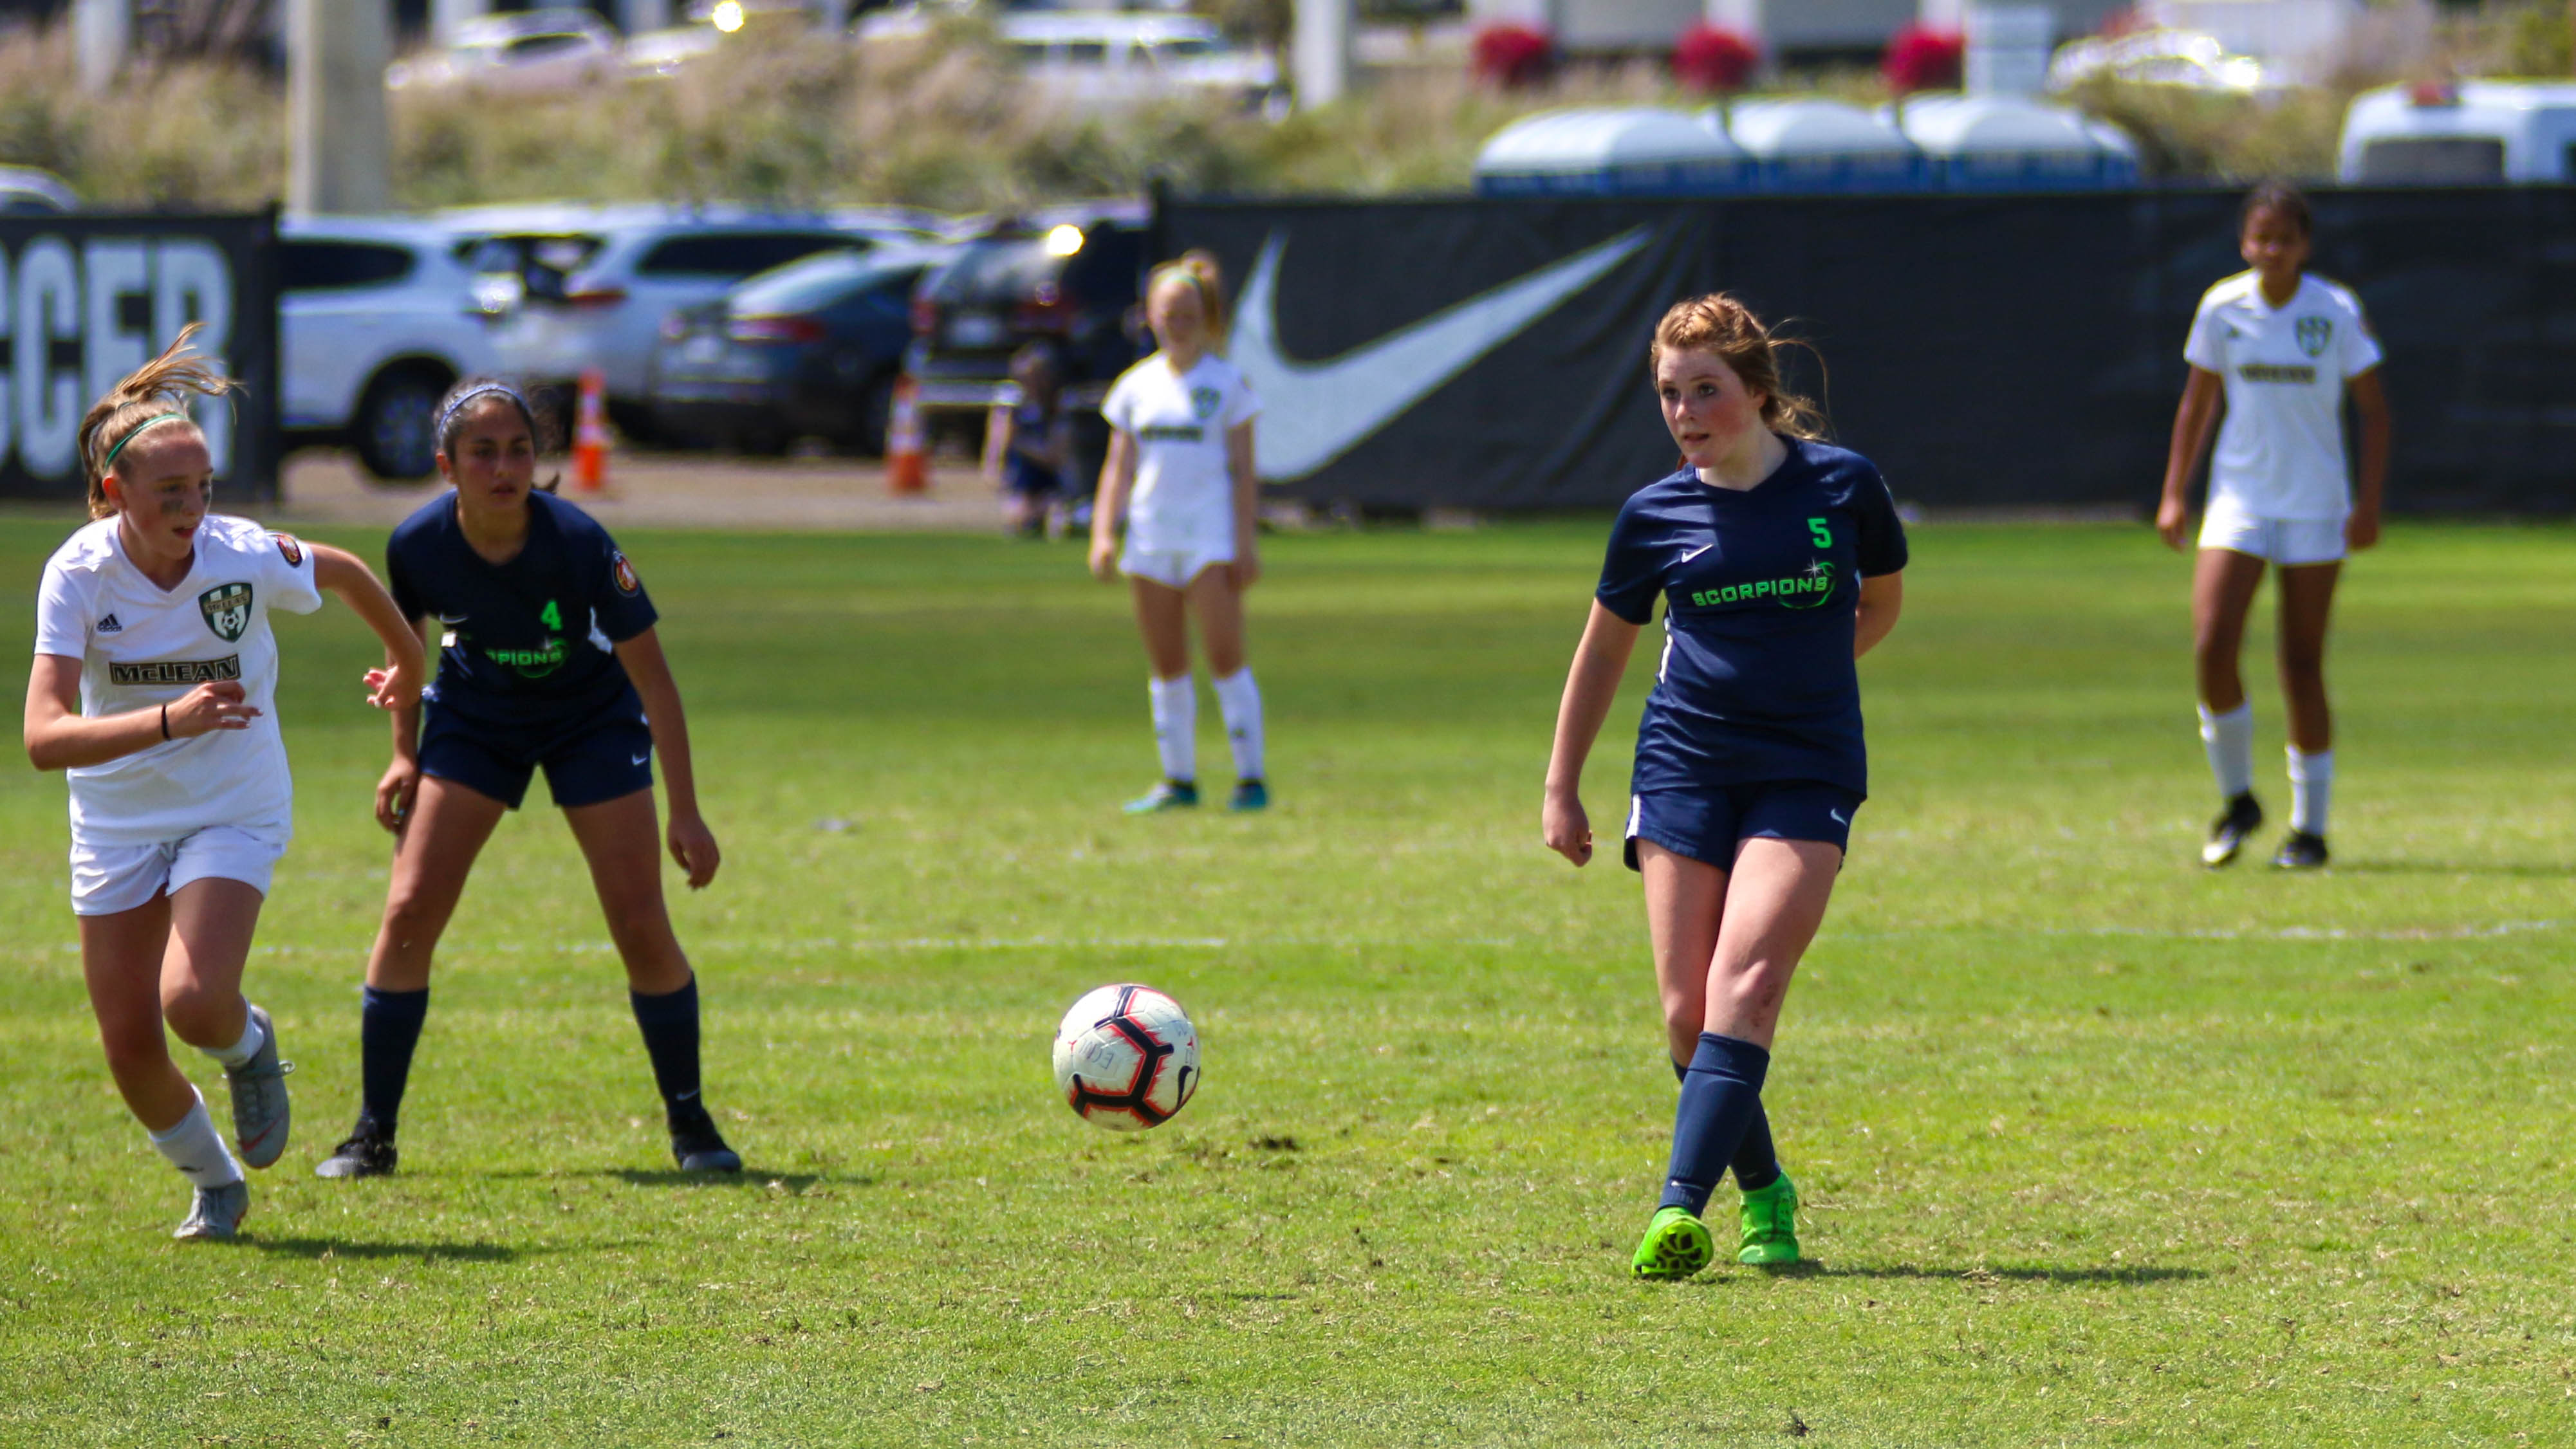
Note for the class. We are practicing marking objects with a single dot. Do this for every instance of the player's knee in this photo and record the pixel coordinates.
(195, 1010)
(133, 1046)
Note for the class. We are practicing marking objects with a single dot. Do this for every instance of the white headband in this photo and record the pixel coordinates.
(470, 394)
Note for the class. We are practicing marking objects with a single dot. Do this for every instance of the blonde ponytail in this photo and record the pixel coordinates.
(152, 394)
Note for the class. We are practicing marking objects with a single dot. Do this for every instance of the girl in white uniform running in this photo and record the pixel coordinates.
(153, 684)
(2283, 349)
(1180, 470)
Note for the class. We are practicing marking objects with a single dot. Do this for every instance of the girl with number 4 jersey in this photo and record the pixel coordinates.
(1780, 561)
(547, 661)
(154, 690)
(2282, 350)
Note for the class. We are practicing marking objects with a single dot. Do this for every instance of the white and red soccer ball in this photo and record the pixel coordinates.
(1126, 1058)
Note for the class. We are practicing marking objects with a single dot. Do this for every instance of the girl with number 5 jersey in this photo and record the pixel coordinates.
(1780, 560)
(547, 661)
(154, 690)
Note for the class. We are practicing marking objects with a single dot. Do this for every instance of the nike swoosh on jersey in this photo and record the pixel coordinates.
(1694, 553)
(1314, 412)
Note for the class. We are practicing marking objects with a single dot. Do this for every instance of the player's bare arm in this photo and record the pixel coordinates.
(397, 685)
(400, 787)
(1117, 475)
(693, 846)
(1881, 600)
(59, 737)
(2202, 397)
(1247, 505)
(1590, 687)
(2370, 479)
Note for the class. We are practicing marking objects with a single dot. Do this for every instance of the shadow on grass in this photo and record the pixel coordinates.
(2529, 870)
(790, 1182)
(2137, 1277)
(320, 1248)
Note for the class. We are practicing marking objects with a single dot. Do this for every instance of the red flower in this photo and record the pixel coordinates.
(1513, 55)
(1923, 60)
(1710, 58)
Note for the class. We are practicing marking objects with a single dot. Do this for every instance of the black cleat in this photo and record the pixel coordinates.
(2227, 834)
(2301, 851)
(365, 1153)
(697, 1146)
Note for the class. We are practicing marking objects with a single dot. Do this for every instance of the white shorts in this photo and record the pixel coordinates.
(1172, 568)
(2289, 542)
(107, 879)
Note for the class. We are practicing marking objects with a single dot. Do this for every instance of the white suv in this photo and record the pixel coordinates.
(376, 321)
(574, 287)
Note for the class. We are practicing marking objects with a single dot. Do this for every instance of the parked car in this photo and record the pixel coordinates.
(810, 349)
(2476, 133)
(376, 323)
(32, 191)
(1065, 276)
(575, 287)
(530, 51)
(1119, 59)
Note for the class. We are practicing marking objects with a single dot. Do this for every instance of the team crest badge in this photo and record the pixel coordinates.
(624, 573)
(290, 547)
(1204, 401)
(227, 610)
(2314, 333)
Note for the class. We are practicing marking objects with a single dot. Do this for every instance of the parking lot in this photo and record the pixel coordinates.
(679, 490)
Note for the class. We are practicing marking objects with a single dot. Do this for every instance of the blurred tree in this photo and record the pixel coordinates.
(1511, 56)
(1920, 58)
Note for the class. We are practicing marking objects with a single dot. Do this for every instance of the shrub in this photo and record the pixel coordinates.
(1711, 58)
(1513, 56)
(1922, 59)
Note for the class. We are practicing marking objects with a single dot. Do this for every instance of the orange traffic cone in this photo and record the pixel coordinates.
(907, 468)
(590, 433)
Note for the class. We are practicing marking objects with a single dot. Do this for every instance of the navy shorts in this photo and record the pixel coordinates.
(597, 758)
(1707, 825)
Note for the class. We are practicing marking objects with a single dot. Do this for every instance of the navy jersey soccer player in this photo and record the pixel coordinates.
(1780, 561)
(548, 662)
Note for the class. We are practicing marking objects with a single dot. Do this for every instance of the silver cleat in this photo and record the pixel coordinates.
(258, 1088)
(216, 1215)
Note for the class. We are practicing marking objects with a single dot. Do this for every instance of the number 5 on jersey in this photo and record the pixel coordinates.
(1816, 529)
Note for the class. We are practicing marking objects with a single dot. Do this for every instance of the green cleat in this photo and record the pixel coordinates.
(1770, 1219)
(1169, 795)
(1676, 1245)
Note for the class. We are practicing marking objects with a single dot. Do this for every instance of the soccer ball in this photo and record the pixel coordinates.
(1126, 1058)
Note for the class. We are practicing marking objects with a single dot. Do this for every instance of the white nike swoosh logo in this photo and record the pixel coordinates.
(639, 759)
(1694, 553)
(1314, 412)
(1838, 817)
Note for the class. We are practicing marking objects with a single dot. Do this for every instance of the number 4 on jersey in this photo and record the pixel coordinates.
(551, 616)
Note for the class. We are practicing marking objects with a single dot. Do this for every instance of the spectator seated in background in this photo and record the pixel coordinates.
(1028, 445)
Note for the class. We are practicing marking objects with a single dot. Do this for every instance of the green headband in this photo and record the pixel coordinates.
(108, 463)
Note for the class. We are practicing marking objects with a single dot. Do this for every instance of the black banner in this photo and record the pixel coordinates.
(87, 298)
(1989, 350)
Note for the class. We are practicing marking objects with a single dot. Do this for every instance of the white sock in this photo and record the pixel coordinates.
(1176, 727)
(2311, 781)
(2230, 738)
(1240, 700)
(197, 1149)
(241, 1051)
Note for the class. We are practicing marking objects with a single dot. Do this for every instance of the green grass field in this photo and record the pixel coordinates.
(2098, 1148)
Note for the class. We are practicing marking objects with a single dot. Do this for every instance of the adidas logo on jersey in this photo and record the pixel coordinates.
(109, 625)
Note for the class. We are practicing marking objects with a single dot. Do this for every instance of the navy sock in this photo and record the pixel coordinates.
(388, 1029)
(1757, 1162)
(670, 1026)
(1719, 1097)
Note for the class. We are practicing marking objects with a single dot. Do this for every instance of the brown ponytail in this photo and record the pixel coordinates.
(1198, 268)
(1719, 324)
(150, 393)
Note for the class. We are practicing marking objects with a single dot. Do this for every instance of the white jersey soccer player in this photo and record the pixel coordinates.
(2280, 350)
(2279, 488)
(142, 647)
(1179, 473)
(153, 689)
